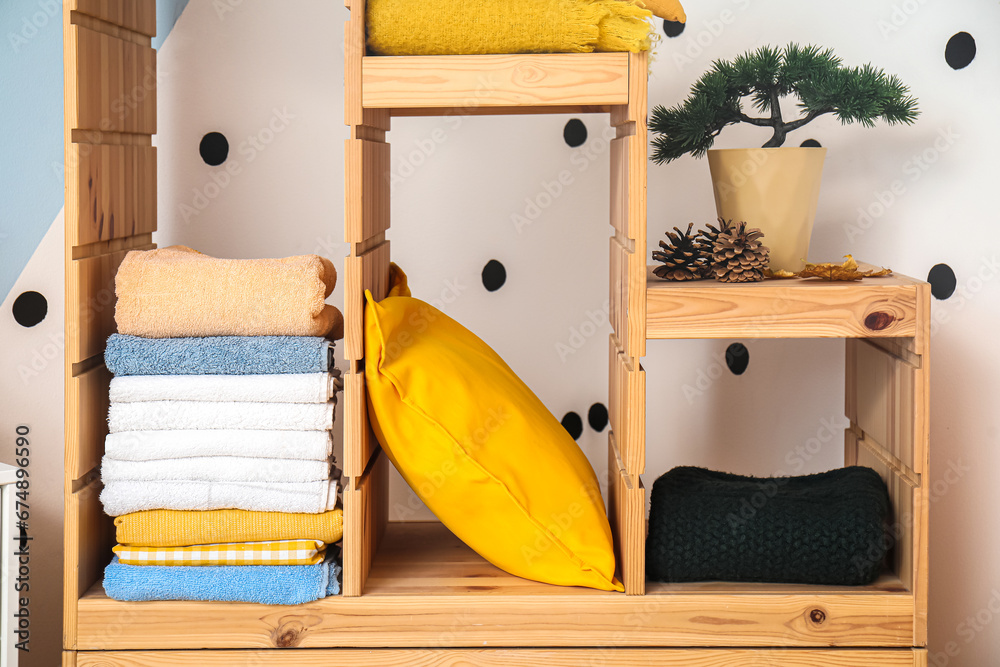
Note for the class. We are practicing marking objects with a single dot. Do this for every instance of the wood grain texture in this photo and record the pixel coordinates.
(116, 84)
(603, 656)
(921, 439)
(366, 512)
(627, 408)
(369, 270)
(492, 618)
(482, 81)
(112, 194)
(86, 420)
(366, 189)
(886, 407)
(627, 515)
(359, 441)
(88, 550)
(627, 298)
(136, 15)
(793, 308)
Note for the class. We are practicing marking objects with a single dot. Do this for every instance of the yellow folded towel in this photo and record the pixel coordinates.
(280, 552)
(173, 528)
(177, 292)
(444, 27)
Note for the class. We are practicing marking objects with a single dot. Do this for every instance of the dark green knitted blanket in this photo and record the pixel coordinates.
(829, 528)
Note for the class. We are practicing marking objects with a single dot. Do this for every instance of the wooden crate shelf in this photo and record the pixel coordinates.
(414, 594)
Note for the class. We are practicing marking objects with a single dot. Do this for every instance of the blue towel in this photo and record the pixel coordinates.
(218, 355)
(264, 584)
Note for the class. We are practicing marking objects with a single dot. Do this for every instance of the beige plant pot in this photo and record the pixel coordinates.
(776, 189)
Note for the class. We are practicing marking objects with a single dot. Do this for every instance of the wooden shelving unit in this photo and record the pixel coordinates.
(413, 594)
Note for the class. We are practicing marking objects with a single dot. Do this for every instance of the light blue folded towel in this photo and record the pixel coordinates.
(264, 584)
(218, 355)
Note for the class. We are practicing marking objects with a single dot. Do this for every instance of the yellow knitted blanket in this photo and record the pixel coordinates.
(174, 528)
(447, 27)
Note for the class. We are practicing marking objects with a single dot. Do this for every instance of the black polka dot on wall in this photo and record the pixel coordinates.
(942, 280)
(214, 148)
(673, 28)
(960, 51)
(811, 143)
(597, 417)
(30, 308)
(573, 425)
(575, 133)
(737, 358)
(494, 275)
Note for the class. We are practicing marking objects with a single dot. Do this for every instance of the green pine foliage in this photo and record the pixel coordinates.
(854, 94)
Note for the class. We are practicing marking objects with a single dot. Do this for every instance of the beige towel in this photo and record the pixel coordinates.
(178, 292)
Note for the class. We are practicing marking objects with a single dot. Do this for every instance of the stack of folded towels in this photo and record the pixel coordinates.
(218, 465)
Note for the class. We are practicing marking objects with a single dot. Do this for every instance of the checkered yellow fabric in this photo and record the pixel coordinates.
(179, 528)
(282, 552)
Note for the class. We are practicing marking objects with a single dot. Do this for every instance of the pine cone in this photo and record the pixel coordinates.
(739, 256)
(707, 238)
(683, 258)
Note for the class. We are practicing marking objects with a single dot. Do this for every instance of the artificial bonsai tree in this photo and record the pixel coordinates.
(855, 94)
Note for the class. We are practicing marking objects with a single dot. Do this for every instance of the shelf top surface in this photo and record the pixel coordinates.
(894, 281)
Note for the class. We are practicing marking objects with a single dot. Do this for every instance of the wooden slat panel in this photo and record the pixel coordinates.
(905, 523)
(627, 514)
(136, 15)
(459, 82)
(627, 409)
(366, 189)
(87, 550)
(791, 308)
(354, 51)
(86, 420)
(90, 291)
(628, 296)
(105, 100)
(885, 393)
(359, 441)
(366, 510)
(112, 194)
(367, 271)
(606, 657)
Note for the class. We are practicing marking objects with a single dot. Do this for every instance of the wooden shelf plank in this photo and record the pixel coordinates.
(460, 83)
(608, 657)
(793, 308)
(426, 584)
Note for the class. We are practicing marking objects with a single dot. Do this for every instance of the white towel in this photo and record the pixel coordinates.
(169, 415)
(291, 388)
(215, 469)
(306, 497)
(156, 445)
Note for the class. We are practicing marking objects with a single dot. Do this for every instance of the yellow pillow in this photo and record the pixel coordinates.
(479, 448)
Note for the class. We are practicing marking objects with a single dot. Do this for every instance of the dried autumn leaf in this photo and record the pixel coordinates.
(848, 270)
(780, 273)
